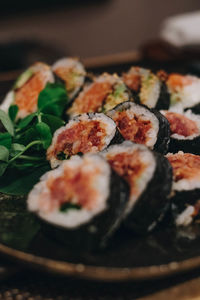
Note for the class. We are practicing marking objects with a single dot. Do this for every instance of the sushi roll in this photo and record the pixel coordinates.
(185, 131)
(72, 73)
(185, 187)
(149, 175)
(104, 93)
(27, 89)
(142, 125)
(147, 88)
(184, 91)
(80, 203)
(91, 132)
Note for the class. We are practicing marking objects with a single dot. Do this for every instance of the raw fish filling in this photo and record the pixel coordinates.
(26, 97)
(133, 81)
(185, 166)
(92, 99)
(181, 125)
(134, 129)
(178, 81)
(129, 166)
(74, 187)
(81, 137)
(69, 75)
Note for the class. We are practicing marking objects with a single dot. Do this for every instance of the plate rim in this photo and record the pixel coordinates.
(101, 273)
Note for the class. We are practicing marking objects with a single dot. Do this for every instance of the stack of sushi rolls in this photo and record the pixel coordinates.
(186, 187)
(104, 93)
(142, 125)
(80, 203)
(184, 92)
(91, 132)
(72, 73)
(149, 175)
(27, 88)
(185, 131)
(148, 88)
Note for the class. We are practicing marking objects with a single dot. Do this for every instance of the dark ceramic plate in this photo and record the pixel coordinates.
(164, 252)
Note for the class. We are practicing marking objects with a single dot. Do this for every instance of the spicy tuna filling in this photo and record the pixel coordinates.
(135, 129)
(91, 99)
(81, 137)
(26, 97)
(185, 166)
(133, 81)
(181, 125)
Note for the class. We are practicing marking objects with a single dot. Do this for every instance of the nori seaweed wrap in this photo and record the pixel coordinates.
(81, 203)
(148, 88)
(149, 175)
(142, 125)
(185, 131)
(186, 187)
(91, 132)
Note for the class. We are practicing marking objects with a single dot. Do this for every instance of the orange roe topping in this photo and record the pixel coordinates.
(133, 81)
(81, 137)
(134, 129)
(181, 125)
(129, 166)
(93, 98)
(176, 81)
(73, 184)
(26, 97)
(185, 166)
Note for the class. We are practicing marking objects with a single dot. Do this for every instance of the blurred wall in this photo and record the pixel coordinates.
(96, 29)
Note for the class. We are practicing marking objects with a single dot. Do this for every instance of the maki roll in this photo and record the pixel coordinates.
(27, 89)
(81, 202)
(184, 91)
(91, 132)
(142, 125)
(147, 88)
(104, 93)
(72, 73)
(185, 131)
(150, 177)
(186, 186)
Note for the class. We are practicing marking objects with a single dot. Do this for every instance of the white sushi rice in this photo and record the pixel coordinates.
(147, 159)
(10, 97)
(76, 66)
(185, 217)
(105, 122)
(73, 218)
(188, 114)
(187, 96)
(185, 184)
(144, 114)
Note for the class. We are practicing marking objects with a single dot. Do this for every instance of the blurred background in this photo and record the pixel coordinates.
(45, 30)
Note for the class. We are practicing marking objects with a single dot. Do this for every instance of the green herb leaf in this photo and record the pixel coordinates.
(6, 121)
(4, 154)
(53, 122)
(16, 148)
(26, 121)
(53, 99)
(16, 182)
(6, 140)
(3, 167)
(45, 134)
(12, 112)
(66, 206)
